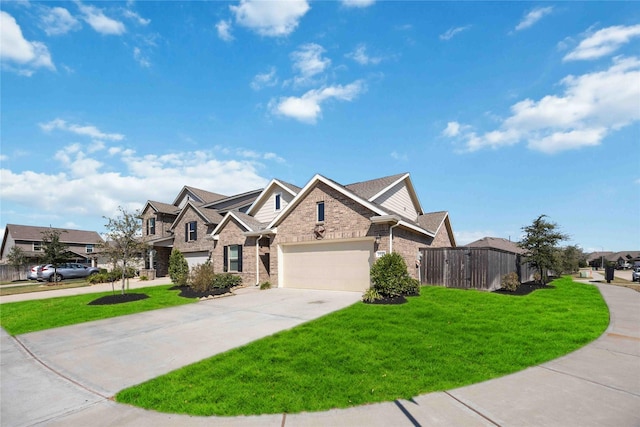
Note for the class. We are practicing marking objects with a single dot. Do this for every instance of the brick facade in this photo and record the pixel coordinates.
(232, 235)
(202, 243)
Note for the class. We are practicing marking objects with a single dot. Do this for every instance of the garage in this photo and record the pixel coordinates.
(341, 266)
(195, 258)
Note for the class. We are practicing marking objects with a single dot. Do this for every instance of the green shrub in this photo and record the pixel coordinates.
(510, 281)
(143, 278)
(265, 285)
(226, 280)
(202, 277)
(371, 295)
(411, 287)
(98, 278)
(178, 268)
(389, 275)
(116, 274)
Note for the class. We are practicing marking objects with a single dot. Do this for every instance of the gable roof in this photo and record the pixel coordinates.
(369, 189)
(210, 216)
(67, 235)
(160, 207)
(235, 202)
(248, 222)
(203, 196)
(290, 188)
(432, 221)
(497, 243)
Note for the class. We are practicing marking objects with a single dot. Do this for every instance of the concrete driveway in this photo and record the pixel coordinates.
(45, 374)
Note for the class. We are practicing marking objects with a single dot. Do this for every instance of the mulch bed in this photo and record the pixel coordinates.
(118, 299)
(389, 301)
(524, 289)
(187, 292)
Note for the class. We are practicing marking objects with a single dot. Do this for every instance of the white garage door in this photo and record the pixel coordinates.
(340, 266)
(195, 258)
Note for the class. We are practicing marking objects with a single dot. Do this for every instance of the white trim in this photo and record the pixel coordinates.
(226, 218)
(387, 188)
(319, 178)
(183, 211)
(265, 192)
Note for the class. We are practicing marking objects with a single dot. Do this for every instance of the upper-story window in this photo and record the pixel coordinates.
(89, 249)
(37, 246)
(151, 226)
(191, 231)
(320, 211)
(278, 201)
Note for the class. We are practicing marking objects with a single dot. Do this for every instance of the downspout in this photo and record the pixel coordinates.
(391, 236)
(258, 260)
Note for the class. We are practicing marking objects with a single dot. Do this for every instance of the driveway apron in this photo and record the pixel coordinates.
(106, 356)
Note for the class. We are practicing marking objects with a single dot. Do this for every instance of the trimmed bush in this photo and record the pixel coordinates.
(226, 280)
(510, 281)
(178, 268)
(202, 277)
(116, 274)
(98, 278)
(265, 285)
(411, 287)
(389, 276)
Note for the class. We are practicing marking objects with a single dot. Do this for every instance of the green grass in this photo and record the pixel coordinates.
(29, 287)
(443, 339)
(36, 315)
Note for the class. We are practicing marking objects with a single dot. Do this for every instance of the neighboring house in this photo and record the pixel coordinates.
(82, 245)
(618, 259)
(322, 236)
(186, 225)
(497, 243)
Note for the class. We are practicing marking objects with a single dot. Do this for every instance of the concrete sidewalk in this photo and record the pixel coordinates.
(598, 385)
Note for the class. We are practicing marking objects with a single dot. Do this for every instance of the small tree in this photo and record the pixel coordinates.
(55, 252)
(539, 242)
(569, 259)
(178, 268)
(17, 258)
(124, 243)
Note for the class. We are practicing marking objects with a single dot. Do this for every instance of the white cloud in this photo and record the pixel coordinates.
(591, 107)
(361, 57)
(268, 79)
(534, 16)
(90, 131)
(152, 176)
(451, 32)
(136, 17)
(224, 30)
(307, 108)
(270, 18)
(101, 23)
(357, 3)
(397, 156)
(603, 42)
(141, 58)
(308, 62)
(465, 237)
(58, 20)
(16, 50)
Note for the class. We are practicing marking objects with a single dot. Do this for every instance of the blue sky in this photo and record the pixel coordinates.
(501, 111)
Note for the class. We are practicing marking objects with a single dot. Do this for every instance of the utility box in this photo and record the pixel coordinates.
(609, 273)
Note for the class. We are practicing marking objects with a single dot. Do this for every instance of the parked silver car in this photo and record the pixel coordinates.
(635, 275)
(67, 270)
(32, 274)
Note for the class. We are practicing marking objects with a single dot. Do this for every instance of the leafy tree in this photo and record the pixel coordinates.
(569, 259)
(539, 242)
(17, 258)
(55, 252)
(178, 268)
(123, 240)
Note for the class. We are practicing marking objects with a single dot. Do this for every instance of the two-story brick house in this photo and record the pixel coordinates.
(322, 236)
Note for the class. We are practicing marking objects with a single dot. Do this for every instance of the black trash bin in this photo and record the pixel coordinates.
(609, 273)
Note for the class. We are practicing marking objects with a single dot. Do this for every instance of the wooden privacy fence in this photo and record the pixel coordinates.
(8, 273)
(470, 268)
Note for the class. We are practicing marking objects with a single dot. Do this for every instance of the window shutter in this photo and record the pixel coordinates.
(147, 226)
(195, 231)
(186, 232)
(225, 258)
(239, 258)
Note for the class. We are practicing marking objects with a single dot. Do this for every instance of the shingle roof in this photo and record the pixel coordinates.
(431, 221)
(204, 195)
(497, 243)
(368, 189)
(165, 208)
(212, 215)
(250, 221)
(290, 186)
(67, 235)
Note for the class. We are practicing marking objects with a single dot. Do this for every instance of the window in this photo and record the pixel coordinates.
(89, 249)
(191, 231)
(233, 258)
(278, 200)
(151, 226)
(37, 246)
(320, 211)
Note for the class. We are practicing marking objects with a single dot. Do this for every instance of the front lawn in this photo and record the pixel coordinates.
(36, 315)
(443, 339)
